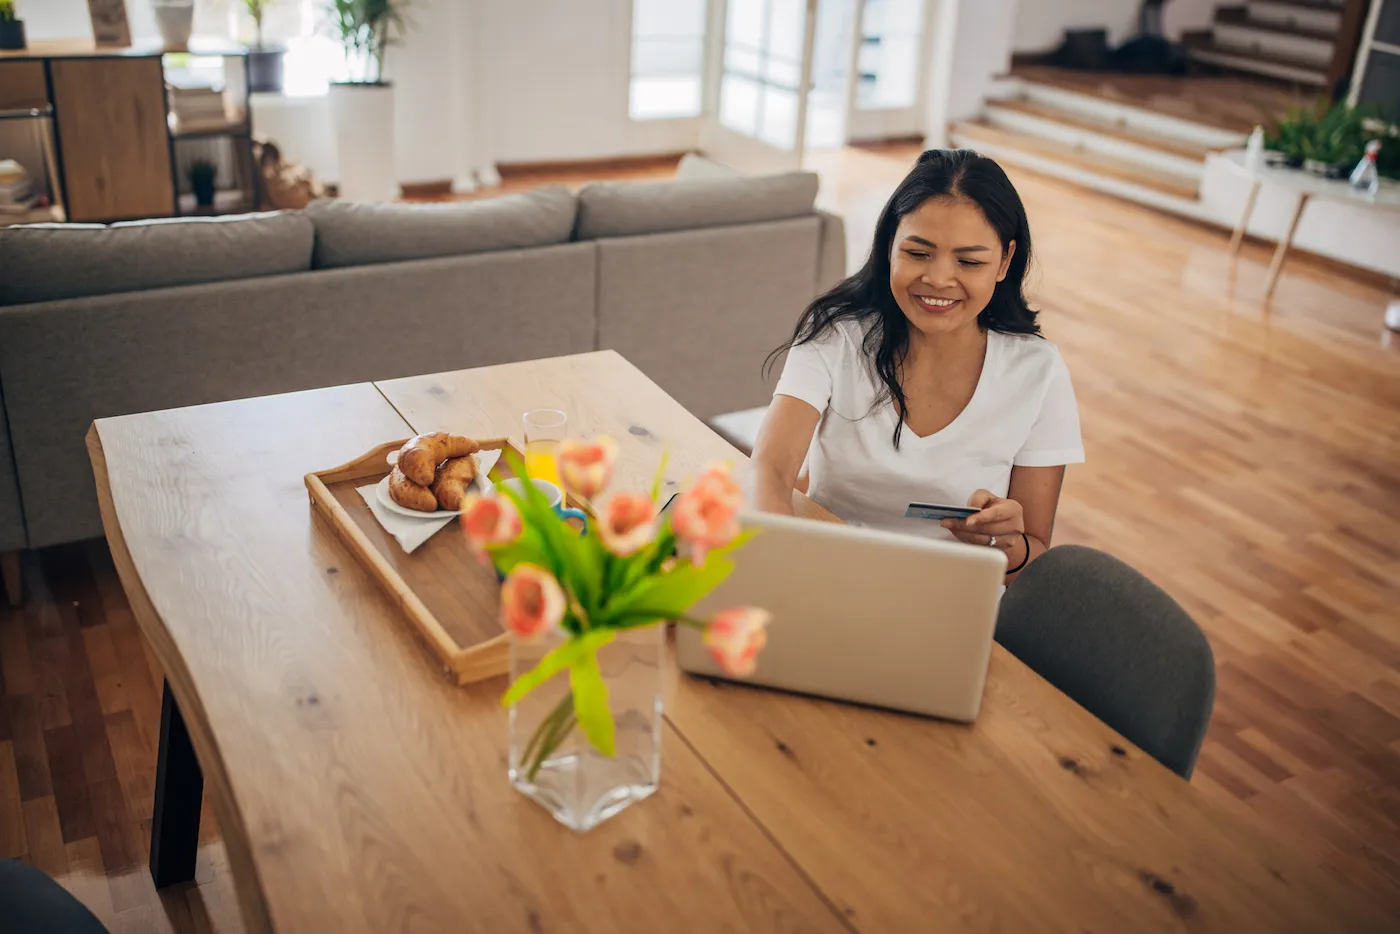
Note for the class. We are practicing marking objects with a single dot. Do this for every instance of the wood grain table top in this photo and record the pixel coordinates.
(359, 789)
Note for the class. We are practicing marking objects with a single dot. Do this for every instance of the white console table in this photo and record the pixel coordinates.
(1307, 187)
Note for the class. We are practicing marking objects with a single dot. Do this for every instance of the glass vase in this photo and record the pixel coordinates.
(551, 759)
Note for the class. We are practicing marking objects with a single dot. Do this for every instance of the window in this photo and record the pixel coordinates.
(758, 93)
(668, 57)
(890, 54)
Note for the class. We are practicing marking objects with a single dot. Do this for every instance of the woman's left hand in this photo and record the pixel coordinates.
(999, 522)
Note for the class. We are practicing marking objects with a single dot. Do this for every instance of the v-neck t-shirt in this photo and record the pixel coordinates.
(1022, 414)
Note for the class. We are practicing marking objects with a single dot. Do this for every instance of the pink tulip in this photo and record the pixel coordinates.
(532, 602)
(489, 520)
(586, 467)
(706, 516)
(627, 522)
(736, 636)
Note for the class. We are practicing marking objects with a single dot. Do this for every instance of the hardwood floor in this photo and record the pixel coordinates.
(1244, 454)
(79, 718)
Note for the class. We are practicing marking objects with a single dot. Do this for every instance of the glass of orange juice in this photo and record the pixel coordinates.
(544, 429)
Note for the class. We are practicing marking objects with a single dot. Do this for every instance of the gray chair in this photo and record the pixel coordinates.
(32, 903)
(1117, 645)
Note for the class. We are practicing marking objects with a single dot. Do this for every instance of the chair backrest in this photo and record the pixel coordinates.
(1118, 645)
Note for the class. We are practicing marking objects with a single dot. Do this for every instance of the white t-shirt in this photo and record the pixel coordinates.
(1022, 413)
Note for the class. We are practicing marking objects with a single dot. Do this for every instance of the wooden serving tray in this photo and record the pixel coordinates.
(451, 598)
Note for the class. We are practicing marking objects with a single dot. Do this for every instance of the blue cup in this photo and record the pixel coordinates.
(551, 493)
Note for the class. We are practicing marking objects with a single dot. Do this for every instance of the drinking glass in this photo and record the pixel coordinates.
(544, 429)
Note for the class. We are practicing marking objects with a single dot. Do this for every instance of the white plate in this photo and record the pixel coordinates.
(485, 460)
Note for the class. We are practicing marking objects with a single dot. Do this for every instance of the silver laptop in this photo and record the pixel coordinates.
(862, 615)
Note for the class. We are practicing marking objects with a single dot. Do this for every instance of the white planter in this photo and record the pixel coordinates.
(362, 116)
(175, 20)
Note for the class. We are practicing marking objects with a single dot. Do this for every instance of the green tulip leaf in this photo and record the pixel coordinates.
(591, 703)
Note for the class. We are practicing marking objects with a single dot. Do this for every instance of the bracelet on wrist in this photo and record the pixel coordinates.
(1025, 560)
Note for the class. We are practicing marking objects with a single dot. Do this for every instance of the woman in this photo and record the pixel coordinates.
(924, 376)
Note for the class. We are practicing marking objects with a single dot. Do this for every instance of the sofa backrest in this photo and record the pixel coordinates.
(699, 310)
(63, 364)
(50, 262)
(628, 209)
(350, 233)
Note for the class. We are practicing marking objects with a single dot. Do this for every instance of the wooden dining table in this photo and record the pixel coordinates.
(360, 789)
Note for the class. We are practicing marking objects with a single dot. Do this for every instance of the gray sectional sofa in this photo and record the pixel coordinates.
(693, 280)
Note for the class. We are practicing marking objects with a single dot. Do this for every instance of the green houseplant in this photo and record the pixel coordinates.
(203, 176)
(362, 106)
(366, 29)
(264, 60)
(1325, 139)
(11, 27)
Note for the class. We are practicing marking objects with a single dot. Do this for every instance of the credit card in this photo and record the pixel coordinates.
(936, 512)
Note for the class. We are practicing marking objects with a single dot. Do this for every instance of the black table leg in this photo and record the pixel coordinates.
(179, 789)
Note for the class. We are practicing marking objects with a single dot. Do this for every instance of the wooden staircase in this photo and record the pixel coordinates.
(1090, 135)
(1310, 43)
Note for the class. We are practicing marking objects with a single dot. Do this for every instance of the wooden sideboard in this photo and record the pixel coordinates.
(109, 135)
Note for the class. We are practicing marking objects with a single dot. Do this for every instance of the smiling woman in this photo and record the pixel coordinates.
(923, 378)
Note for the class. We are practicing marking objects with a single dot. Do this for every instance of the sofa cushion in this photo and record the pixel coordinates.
(357, 233)
(47, 262)
(624, 209)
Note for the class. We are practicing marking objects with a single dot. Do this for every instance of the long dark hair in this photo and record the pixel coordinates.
(866, 295)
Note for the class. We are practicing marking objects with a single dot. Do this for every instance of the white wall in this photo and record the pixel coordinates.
(981, 50)
(556, 81)
(54, 19)
(1180, 16)
(1040, 24)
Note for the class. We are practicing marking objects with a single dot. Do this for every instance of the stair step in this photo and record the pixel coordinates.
(1322, 17)
(1217, 111)
(981, 132)
(1185, 149)
(1274, 42)
(1243, 16)
(1285, 69)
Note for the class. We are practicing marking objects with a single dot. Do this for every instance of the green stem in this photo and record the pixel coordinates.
(541, 729)
(552, 731)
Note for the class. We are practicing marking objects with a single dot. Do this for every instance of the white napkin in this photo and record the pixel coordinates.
(410, 533)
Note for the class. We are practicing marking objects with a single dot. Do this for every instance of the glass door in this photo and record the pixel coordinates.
(890, 65)
(760, 118)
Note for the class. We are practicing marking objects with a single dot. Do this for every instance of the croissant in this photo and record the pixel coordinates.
(419, 458)
(410, 495)
(452, 478)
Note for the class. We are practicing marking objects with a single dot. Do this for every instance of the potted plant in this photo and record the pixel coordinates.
(362, 107)
(11, 27)
(1286, 135)
(203, 176)
(1324, 140)
(264, 61)
(585, 614)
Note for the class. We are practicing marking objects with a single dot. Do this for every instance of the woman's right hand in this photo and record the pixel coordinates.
(779, 451)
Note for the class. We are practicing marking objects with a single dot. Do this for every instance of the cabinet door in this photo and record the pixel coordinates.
(113, 138)
(22, 85)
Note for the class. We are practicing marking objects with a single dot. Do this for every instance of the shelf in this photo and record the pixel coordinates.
(26, 113)
(48, 215)
(231, 201)
(228, 129)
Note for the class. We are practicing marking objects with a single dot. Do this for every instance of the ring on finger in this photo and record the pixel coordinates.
(993, 542)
